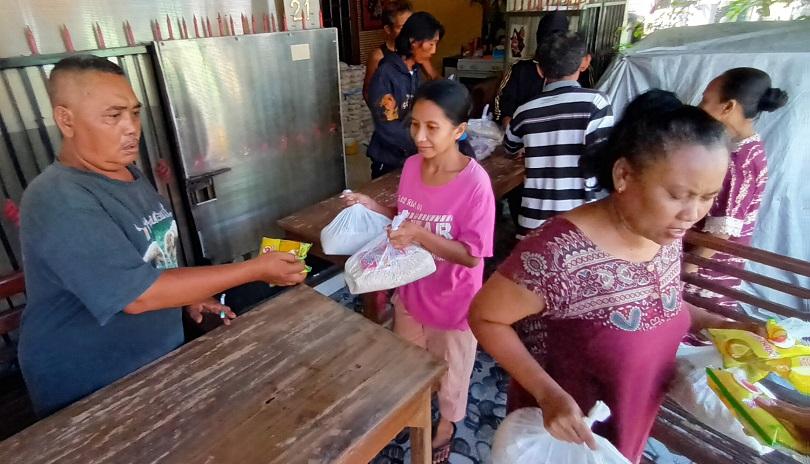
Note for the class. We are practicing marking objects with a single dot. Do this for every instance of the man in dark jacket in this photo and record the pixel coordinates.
(523, 82)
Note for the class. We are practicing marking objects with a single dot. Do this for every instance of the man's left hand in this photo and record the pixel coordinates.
(212, 306)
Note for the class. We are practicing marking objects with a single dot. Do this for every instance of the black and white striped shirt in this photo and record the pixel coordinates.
(554, 129)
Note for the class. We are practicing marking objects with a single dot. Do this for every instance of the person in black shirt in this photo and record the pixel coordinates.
(523, 82)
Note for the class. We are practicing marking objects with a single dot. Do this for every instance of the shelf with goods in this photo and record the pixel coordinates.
(355, 115)
(543, 6)
(599, 21)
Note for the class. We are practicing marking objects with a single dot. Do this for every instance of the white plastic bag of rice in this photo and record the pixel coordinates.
(523, 439)
(351, 229)
(380, 266)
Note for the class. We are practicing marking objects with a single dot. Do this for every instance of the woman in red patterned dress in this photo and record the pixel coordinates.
(736, 98)
(589, 306)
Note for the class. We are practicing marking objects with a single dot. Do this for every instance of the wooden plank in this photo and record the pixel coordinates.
(297, 380)
(12, 284)
(685, 435)
(744, 297)
(10, 320)
(711, 305)
(748, 276)
(506, 174)
(793, 265)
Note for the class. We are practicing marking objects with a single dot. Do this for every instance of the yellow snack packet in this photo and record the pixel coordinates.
(299, 249)
(738, 395)
(796, 370)
(739, 347)
(269, 244)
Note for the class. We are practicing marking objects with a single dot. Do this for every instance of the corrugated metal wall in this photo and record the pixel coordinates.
(602, 23)
(46, 17)
(31, 140)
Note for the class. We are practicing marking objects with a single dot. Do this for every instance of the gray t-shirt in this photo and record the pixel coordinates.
(91, 245)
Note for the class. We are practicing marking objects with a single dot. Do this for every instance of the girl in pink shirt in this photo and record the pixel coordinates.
(452, 214)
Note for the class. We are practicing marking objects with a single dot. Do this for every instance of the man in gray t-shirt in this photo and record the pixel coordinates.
(100, 249)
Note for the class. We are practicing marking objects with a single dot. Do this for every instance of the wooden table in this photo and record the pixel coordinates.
(299, 379)
(305, 225)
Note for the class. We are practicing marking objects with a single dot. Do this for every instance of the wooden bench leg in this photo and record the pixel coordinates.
(420, 425)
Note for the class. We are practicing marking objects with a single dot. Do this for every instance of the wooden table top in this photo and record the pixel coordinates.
(306, 224)
(299, 379)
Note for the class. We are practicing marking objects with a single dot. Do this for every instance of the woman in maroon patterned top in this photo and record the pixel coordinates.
(589, 306)
(736, 98)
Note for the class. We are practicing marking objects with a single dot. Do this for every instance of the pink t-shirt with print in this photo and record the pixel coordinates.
(462, 210)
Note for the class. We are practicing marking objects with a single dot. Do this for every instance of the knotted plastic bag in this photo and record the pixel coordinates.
(522, 439)
(380, 266)
(351, 229)
(485, 135)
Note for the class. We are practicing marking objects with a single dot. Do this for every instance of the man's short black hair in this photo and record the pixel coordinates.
(81, 63)
(561, 54)
(394, 8)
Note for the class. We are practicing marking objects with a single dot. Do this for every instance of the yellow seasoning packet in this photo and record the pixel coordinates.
(269, 244)
(738, 395)
(796, 370)
(299, 249)
(740, 346)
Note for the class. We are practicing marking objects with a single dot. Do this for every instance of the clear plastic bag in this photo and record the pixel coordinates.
(522, 439)
(351, 229)
(380, 266)
(691, 391)
(484, 135)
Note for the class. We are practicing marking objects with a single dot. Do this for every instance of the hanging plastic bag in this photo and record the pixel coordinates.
(484, 135)
(351, 229)
(691, 391)
(380, 266)
(522, 439)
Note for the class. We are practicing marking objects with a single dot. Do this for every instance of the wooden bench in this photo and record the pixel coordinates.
(681, 432)
(11, 287)
(299, 379)
(305, 225)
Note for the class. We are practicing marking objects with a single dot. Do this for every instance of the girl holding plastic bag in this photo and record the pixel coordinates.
(452, 215)
(595, 294)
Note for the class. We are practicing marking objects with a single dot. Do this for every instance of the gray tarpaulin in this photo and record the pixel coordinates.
(684, 60)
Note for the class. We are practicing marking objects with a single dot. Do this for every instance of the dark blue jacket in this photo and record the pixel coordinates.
(390, 97)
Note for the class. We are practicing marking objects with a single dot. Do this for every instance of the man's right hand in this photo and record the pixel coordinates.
(279, 268)
(796, 419)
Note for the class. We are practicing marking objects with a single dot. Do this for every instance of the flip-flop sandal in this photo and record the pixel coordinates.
(441, 455)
